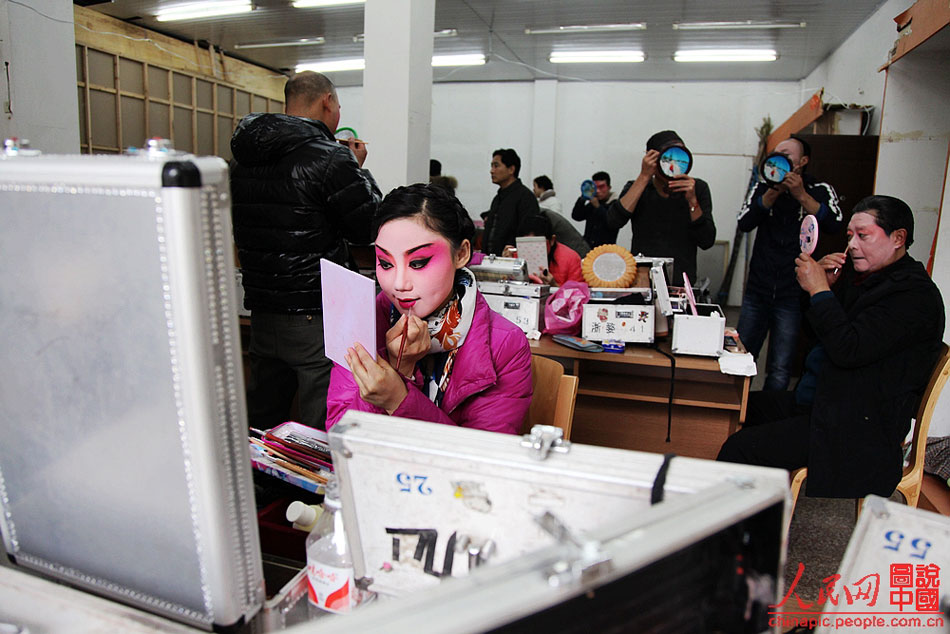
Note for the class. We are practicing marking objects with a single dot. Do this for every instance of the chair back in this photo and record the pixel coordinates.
(938, 379)
(554, 396)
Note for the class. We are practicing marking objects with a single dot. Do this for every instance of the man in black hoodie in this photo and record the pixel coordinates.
(297, 195)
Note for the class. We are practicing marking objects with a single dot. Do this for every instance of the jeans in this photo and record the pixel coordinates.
(783, 317)
(287, 358)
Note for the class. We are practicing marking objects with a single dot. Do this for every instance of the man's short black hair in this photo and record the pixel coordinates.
(536, 225)
(510, 158)
(307, 86)
(544, 182)
(601, 176)
(890, 213)
(435, 167)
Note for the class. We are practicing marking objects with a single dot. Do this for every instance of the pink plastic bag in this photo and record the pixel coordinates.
(564, 309)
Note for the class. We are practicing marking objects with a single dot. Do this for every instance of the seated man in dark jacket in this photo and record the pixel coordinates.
(879, 336)
(297, 196)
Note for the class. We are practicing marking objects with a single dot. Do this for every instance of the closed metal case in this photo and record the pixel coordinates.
(124, 467)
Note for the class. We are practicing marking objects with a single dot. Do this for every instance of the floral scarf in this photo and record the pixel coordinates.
(448, 327)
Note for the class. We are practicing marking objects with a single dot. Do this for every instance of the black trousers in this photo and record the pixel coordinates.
(775, 433)
(287, 358)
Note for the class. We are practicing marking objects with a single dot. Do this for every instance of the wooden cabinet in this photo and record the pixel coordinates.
(623, 400)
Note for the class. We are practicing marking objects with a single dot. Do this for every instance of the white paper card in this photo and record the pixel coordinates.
(349, 311)
(533, 250)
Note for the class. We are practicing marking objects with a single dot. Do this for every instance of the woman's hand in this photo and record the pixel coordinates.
(833, 263)
(378, 382)
(542, 277)
(811, 276)
(417, 345)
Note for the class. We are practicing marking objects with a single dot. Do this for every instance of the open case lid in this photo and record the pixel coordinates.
(896, 564)
(410, 488)
(124, 464)
(710, 561)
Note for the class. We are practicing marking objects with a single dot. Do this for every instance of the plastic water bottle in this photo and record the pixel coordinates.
(331, 585)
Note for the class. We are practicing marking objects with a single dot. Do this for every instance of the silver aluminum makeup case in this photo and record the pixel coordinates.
(577, 544)
(124, 467)
(874, 597)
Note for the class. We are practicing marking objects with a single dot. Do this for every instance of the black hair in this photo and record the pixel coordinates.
(601, 176)
(536, 224)
(544, 182)
(449, 183)
(438, 208)
(435, 167)
(510, 158)
(890, 213)
(664, 139)
(308, 86)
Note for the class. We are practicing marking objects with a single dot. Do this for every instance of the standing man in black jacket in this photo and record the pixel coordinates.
(670, 217)
(511, 205)
(298, 196)
(771, 303)
(879, 336)
(594, 212)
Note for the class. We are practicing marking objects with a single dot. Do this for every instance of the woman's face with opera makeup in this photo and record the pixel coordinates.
(416, 266)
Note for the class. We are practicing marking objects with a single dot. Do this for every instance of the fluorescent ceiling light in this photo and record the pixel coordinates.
(469, 59)
(592, 57)
(588, 28)
(333, 65)
(359, 37)
(726, 55)
(307, 4)
(199, 10)
(737, 25)
(304, 41)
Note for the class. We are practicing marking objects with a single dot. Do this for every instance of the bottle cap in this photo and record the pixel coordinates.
(300, 513)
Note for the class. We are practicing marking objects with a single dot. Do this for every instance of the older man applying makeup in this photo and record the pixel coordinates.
(879, 334)
(298, 196)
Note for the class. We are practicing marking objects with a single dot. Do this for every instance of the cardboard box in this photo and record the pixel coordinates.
(628, 323)
(699, 334)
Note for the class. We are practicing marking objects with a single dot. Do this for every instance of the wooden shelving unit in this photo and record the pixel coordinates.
(623, 399)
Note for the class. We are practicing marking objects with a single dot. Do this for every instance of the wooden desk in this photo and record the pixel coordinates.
(622, 399)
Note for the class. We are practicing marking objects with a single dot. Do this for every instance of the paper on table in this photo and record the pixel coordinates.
(737, 363)
(349, 311)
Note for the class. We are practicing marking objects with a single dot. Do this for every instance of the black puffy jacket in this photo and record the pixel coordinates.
(297, 196)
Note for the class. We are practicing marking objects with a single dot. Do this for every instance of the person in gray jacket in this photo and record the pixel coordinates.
(550, 206)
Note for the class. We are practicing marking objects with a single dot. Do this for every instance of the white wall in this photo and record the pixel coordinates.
(42, 88)
(849, 74)
(915, 130)
(598, 126)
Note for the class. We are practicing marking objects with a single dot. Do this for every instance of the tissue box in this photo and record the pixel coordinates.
(700, 334)
(623, 322)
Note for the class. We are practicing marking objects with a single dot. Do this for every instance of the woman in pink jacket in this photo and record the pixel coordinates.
(461, 363)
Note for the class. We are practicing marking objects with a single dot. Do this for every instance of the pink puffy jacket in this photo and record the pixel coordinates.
(490, 386)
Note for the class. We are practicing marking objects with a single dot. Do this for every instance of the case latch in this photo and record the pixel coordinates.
(589, 563)
(544, 439)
